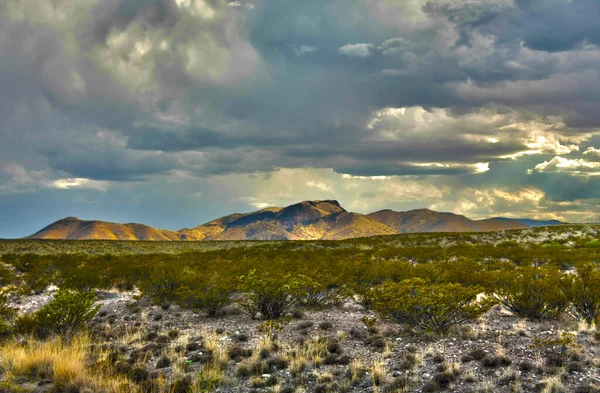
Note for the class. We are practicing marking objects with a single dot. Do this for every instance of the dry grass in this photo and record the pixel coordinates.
(356, 369)
(213, 344)
(65, 364)
(585, 328)
(553, 385)
(378, 372)
(388, 350)
(451, 367)
(301, 356)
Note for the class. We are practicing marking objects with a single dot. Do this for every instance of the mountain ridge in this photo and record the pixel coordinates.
(306, 220)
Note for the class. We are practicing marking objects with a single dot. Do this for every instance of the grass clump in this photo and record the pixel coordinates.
(64, 363)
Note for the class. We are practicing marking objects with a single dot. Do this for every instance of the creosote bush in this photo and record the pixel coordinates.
(531, 292)
(429, 307)
(271, 295)
(206, 291)
(581, 293)
(67, 313)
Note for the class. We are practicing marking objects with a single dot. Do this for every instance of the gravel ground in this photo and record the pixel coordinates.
(493, 354)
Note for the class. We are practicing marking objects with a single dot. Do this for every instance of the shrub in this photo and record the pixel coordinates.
(325, 325)
(161, 285)
(6, 312)
(271, 295)
(317, 293)
(5, 330)
(27, 324)
(65, 315)
(531, 292)
(429, 307)
(163, 362)
(209, 293)
(556, 350)
(582, 296)
(493, 361)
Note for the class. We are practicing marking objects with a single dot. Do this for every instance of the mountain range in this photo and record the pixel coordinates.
(308, 220)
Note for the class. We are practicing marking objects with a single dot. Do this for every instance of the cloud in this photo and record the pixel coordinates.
(563, 164)
(320, 185)
(592, 151)
(356, 50)
(302, 50)
(240, 4)
(65, 184)
(141, 95)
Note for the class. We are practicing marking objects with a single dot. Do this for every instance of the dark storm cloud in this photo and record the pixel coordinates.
(578, 21)
(545, 25)
(127, 90)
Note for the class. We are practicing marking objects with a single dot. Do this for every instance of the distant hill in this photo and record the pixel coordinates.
(425, 220)
(308, 220)
(534, 223)
(74, 228)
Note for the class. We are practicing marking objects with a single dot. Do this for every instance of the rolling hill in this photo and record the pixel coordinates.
(425, 220)
(74, 228)
(308, 220)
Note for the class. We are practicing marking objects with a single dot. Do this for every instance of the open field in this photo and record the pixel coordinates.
(511, 311)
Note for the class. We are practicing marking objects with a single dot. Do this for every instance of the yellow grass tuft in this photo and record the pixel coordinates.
(378, 373)
(63, 363)
(356, 369)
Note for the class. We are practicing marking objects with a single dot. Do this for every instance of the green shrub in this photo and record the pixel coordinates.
(531, 292)
(37, 272)
(162, 284)
(207, 292)
(582, 294)
(429, 307)
(65, 315)
(27, 325)
(5, 330)
(6, 312)
(595, 243)
(318, 293)
(271, 295)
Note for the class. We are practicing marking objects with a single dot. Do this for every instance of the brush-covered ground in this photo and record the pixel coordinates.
(133, 345)
(507, 311)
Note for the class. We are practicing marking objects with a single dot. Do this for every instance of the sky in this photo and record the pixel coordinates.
(175, 112)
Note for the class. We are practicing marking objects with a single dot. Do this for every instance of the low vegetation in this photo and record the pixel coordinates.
(423, 288)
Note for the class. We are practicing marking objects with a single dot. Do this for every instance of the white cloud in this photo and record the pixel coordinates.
(562, 164)
(480, 167)
(524, 132)
(347, 176)
(302, 50)
(241, 5)
(320, 185)
(356, 50)
(68, 183)
(255, 202)
(592, 151)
